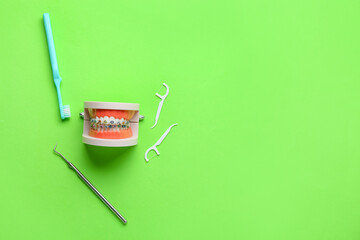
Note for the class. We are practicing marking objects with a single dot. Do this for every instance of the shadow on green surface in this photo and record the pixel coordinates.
(101, 156)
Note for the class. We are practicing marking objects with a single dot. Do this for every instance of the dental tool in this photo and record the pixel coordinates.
(160, 104)
(158, 143)
(88, 183)
(64, 109)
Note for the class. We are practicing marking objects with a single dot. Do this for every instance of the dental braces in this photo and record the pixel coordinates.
(109, 123)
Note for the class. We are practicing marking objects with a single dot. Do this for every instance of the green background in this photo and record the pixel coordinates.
(266, 94)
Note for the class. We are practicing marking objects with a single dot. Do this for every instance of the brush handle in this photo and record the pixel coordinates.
(51, 46)
(59, 95)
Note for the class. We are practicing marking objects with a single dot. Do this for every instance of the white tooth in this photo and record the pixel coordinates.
(112, 120)
(106, 119)
(96, 123)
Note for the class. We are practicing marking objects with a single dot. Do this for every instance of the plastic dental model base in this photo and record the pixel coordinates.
(111, 124)
(160, 104)
(88, 183)
(158, 143)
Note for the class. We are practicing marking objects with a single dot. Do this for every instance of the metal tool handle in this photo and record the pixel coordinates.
(97, 193)
(72, 166)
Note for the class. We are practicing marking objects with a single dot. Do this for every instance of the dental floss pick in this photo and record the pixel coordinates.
(158, 143)
(161, 103)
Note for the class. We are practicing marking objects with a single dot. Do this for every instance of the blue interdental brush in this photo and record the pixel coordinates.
(64, 110)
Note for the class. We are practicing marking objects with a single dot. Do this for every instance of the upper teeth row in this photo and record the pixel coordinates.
(109, 120)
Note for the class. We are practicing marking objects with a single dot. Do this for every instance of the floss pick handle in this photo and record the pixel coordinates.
(160, 104)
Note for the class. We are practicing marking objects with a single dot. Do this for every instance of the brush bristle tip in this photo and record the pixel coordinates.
(66, 111)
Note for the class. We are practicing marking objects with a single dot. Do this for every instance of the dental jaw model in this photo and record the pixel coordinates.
(111, 124)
